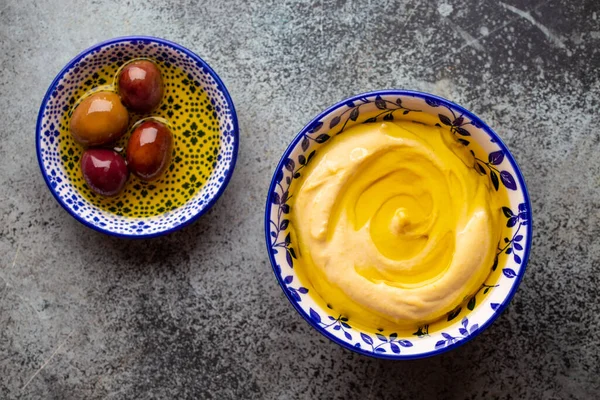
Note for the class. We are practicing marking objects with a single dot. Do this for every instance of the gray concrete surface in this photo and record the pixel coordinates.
(198, 314)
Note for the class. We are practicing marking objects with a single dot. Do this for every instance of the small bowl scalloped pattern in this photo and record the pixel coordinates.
(493, 159)
(56, 102)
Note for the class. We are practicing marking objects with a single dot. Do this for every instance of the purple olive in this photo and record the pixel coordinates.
(104, 170)
(141, 86)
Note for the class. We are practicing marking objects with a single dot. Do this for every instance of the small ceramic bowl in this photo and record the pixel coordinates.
(478, 311)
(59, 164)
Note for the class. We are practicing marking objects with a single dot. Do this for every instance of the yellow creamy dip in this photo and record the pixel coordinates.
(394, 224)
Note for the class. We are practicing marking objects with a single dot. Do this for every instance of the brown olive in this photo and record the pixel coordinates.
(149, 150)
(141, 86)
(104, 171)
(99, 119)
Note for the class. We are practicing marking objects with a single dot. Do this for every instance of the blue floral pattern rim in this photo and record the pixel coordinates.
(499, 165)
(51, 110)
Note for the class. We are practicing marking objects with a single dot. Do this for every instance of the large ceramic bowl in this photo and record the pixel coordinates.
(57, 163)
(493, 159)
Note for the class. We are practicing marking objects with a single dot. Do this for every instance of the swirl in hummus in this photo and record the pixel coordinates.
(394, 223)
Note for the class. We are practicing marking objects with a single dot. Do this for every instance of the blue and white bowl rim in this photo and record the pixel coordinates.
(210, 71)
(449, 104)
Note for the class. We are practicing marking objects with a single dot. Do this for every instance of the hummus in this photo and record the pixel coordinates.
(394, 223)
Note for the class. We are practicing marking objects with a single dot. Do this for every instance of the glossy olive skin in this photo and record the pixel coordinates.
(141, 86)
(99, 119)
(104, 170)
(149, 150)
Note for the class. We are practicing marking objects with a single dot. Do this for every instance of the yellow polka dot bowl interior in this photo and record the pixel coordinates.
(398, 224)
(192, 110)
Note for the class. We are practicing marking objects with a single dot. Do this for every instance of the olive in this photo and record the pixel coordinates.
(99, 119)
(104, 170)
(149, 150)
(141, 86)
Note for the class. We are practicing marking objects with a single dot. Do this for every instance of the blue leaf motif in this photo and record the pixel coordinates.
(366, 338)
(393, 336)
(462, 131)
(494, 306)
(404, 343)
(322, 138)
(279, 176)
(447, 336)
(331, 318)
(314, 315)
(508, 180)
(294, 295)
(303, 290)
(517, 258)
(336, 328)
(395, 349)
(349, 104)
(432, 102)
(522, 207)
(380, 350)
(336, 120)
(465, 322)
(474, 328)
(381, 337)
(348, 336)
(518, 238)
(445, 120)
(305, 143)
(494, 178)
(345, 325)
(463, 332)
(275, 199)
(290, 164)
(512, 221)
(288, 279)
(509, 273)
(441, 343)
(517, 246)
(496, 157)
(316, 126)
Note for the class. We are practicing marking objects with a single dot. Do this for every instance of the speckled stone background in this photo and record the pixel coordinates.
(198, 314)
